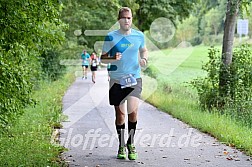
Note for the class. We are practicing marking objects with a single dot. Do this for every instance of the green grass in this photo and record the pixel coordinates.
(28, 142)
(174, 96)
(180, 64)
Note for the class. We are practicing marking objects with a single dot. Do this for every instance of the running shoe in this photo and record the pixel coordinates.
(132, 152)
(121, 152)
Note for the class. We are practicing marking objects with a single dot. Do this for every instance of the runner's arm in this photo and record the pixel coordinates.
(144, 56)
(105, 58)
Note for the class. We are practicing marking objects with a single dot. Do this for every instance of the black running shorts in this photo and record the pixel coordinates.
(93, 68)
(117, 95)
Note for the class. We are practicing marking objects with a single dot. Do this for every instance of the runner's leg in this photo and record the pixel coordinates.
(120, 123)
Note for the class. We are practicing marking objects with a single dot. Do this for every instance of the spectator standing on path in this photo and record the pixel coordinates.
(85, 58)
(121, 48)
(93, 65)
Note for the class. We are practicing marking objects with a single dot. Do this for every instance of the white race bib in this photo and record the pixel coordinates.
(127, 81)
(94, 64)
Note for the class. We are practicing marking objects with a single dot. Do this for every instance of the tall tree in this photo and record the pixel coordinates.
(213, 20)
(232, 11)
(186, 30)
(202, 8)
(87, 15)
(152, 9)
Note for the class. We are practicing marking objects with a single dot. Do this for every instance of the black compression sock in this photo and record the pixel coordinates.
(120, 131)
(131, 131)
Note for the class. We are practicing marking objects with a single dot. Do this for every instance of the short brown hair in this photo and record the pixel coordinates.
(123, 9)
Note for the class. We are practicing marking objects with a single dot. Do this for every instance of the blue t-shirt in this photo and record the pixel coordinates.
(129, 46)
(85, 59)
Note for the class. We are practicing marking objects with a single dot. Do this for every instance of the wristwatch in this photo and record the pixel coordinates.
(145, 60)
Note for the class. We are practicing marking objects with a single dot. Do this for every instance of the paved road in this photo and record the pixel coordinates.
(161, 140)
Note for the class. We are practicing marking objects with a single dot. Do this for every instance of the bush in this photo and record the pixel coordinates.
(17, 74)
(238, 101)
(241, 83)
(211, 40)
(197, 40)
(51, 66)
(208, 87)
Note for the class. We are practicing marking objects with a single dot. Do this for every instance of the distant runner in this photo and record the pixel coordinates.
(85, 57)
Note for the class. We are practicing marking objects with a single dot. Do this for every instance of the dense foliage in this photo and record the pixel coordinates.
(85, 15)
(28, 28)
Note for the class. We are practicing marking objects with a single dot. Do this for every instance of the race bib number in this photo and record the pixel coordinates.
(85, 62)
(94, 63)
(127, 81)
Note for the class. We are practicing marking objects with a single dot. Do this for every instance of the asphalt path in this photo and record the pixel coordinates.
(90, 136)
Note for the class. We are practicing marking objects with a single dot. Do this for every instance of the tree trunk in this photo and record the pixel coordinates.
(227, 46)
(229, 30)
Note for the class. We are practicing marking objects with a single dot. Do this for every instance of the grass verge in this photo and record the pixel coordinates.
(28, 142)
(182, 104)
